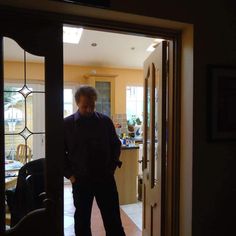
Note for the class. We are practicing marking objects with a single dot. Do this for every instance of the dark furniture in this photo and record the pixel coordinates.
(29, 192)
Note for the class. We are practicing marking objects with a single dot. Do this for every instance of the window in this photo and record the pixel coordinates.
(68, 102)
(134, 102)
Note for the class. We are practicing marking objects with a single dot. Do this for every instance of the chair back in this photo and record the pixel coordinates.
(26, 197)
(23, 153)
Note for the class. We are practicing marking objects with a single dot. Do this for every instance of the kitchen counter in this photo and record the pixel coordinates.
(130, 147)
(126, 176)
(138, 139)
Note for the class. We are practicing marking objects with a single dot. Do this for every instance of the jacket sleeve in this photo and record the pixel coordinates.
(115, 144)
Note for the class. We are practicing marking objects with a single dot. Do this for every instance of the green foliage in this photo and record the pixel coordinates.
(134, 121)
(138, 121)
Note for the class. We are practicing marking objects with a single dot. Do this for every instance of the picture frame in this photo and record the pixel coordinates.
(221, 109)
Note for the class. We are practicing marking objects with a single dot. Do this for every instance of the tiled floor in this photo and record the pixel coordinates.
(134, 212)
(97, 226)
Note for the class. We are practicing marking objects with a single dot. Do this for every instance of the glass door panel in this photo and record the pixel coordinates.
(24, 125)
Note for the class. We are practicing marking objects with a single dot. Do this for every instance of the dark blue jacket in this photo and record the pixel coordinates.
(92, 148)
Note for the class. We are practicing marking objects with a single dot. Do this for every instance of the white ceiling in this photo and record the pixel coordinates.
(112, 50)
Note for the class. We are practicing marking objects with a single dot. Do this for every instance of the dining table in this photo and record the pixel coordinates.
(12, 168)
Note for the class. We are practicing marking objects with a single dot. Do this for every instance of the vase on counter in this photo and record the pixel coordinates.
(137, 130)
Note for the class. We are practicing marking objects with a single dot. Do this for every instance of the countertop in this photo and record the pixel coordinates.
(129, 147)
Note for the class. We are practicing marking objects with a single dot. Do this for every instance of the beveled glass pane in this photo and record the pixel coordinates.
(148, 118)
(36, 142)
(158, 122)
(11, 144)
(25, 133)
(35, 71)
(35, 107)
(12, 87)
(14, 112)
(25, 91)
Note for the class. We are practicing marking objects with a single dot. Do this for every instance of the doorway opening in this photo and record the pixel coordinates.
(113, 63)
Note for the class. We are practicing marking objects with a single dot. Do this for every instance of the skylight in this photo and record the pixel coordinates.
(72, 34)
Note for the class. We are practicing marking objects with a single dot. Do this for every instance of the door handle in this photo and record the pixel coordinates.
(141, 161)
(154, 205)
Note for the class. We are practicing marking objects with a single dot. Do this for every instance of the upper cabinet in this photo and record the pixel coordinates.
(105, 86)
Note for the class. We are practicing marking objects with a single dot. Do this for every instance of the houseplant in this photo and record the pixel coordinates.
(134, 126)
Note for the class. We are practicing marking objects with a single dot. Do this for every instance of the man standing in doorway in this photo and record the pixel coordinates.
(92, 151)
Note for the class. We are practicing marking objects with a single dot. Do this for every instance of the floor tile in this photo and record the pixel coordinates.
(131, 229)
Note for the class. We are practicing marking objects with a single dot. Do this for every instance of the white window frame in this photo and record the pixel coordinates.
(74, 87)
(139, 86)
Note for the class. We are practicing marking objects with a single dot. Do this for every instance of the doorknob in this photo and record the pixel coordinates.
(141, 161)
(154, 205)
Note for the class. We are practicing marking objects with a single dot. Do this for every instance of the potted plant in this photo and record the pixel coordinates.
(134, 126)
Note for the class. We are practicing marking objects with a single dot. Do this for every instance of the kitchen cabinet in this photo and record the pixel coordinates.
(105, 86)
(127, 176)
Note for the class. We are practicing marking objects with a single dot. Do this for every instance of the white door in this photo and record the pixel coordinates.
(154, 148)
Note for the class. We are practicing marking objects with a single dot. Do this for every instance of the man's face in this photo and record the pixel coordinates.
(86, 106)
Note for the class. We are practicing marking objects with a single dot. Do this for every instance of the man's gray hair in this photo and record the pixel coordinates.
(86, 91)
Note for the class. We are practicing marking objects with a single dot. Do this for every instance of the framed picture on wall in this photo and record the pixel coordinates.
(221, 111)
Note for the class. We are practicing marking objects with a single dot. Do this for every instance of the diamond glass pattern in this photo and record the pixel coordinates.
(25, 91)
(25, 133)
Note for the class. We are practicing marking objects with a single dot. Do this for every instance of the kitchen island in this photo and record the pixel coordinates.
(126, 176)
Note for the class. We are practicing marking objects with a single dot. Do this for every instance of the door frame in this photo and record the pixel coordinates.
(173, 190)
(172, 176)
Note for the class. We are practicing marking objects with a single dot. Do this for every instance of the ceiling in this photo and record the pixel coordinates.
(112, 50)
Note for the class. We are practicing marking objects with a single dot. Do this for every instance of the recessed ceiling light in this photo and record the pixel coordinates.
(72, 34)
(93, 44)
(152, 47)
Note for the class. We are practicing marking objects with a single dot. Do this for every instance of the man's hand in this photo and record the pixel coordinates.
(72, 179)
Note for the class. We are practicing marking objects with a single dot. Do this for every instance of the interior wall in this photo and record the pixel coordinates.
(74, 74)
(125, 77)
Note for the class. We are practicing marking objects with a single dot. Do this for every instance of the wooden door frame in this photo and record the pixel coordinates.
(173, 175)
(173, 190)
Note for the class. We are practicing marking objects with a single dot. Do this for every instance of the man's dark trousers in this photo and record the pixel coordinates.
(105, 192)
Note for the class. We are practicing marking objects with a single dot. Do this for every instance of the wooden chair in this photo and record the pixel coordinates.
(23, 153)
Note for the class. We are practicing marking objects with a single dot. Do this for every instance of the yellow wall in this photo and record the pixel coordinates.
(15, 71)
(74, 74)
